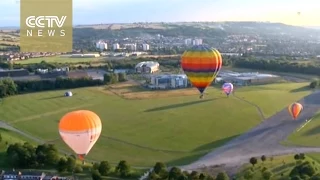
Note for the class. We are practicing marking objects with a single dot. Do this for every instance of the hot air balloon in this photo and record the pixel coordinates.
(295, 109)
(80, 130)
(227, 88)
(201, 64)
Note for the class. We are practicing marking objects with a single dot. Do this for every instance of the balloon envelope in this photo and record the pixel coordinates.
(227, 88)
(295, 109)
(80, 130)
(201, 64)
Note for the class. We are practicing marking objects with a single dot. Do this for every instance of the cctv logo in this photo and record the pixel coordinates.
(51, 23)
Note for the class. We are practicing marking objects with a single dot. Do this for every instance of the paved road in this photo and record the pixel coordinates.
(264, 139)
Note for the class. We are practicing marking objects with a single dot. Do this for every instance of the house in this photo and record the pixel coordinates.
(17, 175)
(147, 67)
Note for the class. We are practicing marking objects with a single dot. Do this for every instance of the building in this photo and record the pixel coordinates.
(171, 81)
(17, 175)
(147, 67)
(80, 56)
(188, 42)
(131, 47)
(116, 46)
(101, 45)
(145, 47)
(243, 79)
(14, 73)
(197, 42)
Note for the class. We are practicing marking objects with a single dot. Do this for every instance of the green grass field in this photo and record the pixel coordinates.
(308, 135)
(175, 130)
(267, 96)
(58, 59)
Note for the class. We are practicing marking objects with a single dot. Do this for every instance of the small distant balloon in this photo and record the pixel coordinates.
(298, 13)
(227, 88)
(295, 110)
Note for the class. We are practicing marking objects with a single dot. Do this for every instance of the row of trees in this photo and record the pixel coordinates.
(9, 87)
(47, 156)
(111, 78)
(160, 171)
(103, 168)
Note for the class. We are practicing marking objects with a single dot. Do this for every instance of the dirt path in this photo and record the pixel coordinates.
(253, 104)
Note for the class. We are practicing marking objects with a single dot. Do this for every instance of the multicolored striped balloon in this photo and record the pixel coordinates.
(227, 88)
(201, 64)
(295, 109)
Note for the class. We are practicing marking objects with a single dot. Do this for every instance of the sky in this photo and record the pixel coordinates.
(128, 11)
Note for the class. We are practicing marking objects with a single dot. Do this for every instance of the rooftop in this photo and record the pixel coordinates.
(147, 63)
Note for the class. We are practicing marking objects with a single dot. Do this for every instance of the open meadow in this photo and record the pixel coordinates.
(174, 126)
(309, 135)
(58, 59)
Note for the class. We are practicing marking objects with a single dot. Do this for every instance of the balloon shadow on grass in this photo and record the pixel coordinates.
(172, 106)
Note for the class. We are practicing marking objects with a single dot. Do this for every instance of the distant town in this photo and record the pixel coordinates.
(262, 39)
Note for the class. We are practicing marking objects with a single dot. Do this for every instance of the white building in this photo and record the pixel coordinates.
(168, 81)
(116, 46)
(147, 67)
(197, 42)
(188, 42)
(101, 45)
(145, 47)
(132, 47)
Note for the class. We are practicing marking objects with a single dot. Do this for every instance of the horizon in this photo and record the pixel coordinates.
(125, 11)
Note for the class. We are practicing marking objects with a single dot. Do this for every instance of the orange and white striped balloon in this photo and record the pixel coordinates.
(80, 130)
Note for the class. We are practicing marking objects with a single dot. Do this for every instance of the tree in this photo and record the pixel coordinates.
(296, 157)
(153, 176)
(253, 161)
(161, 170)
(107, 78)
(314, 84)
(202, 176)
(267, 175)
(315, 177)
(194, 175)
(248, 174)
(174, 173)
(222, 176)
(0, 137)
(304, 168)
(7, 87)
(296, 178)
(78, 169)
(122, 77)
(71, 163)
(123, 169)
(302, 156)
(62, 165)
(104, 168)
(95, 166)
(96, 175)
(263, 158)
